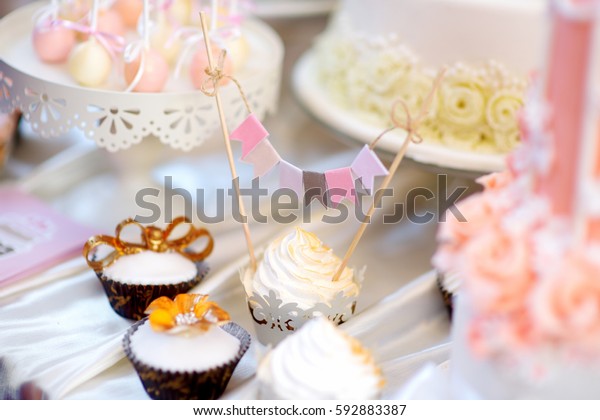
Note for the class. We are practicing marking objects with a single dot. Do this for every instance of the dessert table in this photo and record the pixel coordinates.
(59, 330)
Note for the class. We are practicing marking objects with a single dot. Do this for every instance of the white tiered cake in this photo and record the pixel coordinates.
(376, 52)
(527, 321)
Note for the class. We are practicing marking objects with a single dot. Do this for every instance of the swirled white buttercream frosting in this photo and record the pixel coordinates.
(319, 362)
(300, 269)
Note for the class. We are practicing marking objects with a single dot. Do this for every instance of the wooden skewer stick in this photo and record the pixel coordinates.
(411, 127)
(225, 132)
(374, 205)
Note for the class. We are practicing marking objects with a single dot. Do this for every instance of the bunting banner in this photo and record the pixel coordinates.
(330, 188)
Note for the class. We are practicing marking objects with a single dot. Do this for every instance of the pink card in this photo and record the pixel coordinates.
(33, 236)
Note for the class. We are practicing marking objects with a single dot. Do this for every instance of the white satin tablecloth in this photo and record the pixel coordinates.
(59, 330)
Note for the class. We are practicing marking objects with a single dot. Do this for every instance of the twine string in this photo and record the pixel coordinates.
(410, 125)
(215, 75)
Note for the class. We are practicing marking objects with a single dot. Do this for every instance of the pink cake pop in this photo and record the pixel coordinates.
(145, 68)
(111, 22)
(53, 43)
(130, 11)
(154, 74)
(200, 63)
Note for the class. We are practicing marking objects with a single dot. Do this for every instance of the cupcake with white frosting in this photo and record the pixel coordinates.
(135, 274)
(186, 348)
(319, 362)
(294, 282)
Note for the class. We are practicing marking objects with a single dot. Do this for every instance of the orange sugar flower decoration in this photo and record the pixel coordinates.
(186, 312)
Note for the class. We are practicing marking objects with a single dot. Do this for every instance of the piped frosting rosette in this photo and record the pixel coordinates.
(294, 283)
(344, 368)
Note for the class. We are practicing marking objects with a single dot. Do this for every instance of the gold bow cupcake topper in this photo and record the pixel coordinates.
(187, 312)
(152, 239)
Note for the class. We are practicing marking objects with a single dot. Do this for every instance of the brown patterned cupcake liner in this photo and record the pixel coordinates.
(202, 385)
(446, 295)
(131, 300)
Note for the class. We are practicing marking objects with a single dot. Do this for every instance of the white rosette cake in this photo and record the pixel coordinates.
(294, 283)
(378, 52)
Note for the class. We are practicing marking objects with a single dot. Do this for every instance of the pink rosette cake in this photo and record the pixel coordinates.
(527, 319)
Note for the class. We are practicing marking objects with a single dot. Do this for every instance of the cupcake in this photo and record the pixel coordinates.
(448, 284)
(133, 275)
(319, 362)
(186, 348)
(294, 282)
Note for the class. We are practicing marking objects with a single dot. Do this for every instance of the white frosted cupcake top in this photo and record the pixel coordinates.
(183, 353)
(320, 362)
(300, 268)
(148, 267)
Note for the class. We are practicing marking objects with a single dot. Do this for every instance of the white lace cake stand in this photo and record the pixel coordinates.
(314, 98)
(179, 116)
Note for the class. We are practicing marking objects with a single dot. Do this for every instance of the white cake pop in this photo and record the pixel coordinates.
(74, 10)
(239, 51)
(90, 64)
(181, 10)
(162, 41)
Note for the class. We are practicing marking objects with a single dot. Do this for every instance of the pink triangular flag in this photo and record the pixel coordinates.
(340, 184)
(367, 166)
(263, 156)
(250, 133)
(291, 177)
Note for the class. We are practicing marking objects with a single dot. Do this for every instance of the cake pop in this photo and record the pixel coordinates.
(90, 64)
(130, 11)
(181, 10)
(53, 42)
(145, 68)
(74, 10)
(238, 50)
(111, 22)
(200, 63)
(154, 74)
(161, 39)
